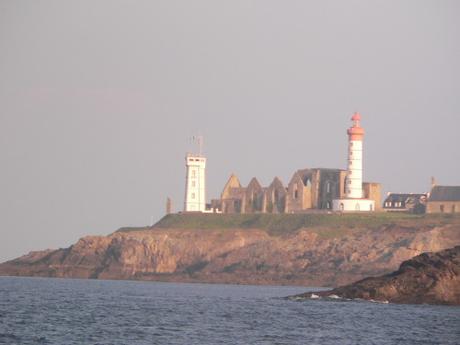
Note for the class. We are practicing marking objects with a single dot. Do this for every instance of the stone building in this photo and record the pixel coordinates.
(308, 189)
(444, 199)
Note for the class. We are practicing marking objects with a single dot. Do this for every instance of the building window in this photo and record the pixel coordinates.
(453, 208)
(341, 206)
(193, 173)
(296, 193)
(193, 195)
(441, 208)
(193, 183)
(328, 187)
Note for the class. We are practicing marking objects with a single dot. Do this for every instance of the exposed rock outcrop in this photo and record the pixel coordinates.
(312, 256)
(432, 278)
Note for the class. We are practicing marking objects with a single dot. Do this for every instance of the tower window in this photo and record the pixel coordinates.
(193, 173)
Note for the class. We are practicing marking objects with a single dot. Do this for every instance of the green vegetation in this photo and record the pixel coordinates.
(128, 229)
(277, 224)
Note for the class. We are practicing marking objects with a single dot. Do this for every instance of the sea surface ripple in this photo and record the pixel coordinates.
(96, 312)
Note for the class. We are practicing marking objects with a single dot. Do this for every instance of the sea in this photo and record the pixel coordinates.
(90, 312)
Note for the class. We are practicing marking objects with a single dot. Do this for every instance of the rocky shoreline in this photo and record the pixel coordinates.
(429, 278)
(310, 254)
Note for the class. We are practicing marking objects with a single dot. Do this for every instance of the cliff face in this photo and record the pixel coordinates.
(432, 278)
(313, 256)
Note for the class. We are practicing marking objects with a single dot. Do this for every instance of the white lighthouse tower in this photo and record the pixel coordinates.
(354, 200)
(195, 179)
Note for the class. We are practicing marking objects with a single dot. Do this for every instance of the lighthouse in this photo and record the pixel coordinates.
(354, 200)
(195, 180)
(354, 184)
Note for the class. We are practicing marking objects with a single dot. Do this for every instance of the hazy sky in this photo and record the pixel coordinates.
(98, 98)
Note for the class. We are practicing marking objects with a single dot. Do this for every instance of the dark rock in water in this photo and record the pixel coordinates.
(431, 278)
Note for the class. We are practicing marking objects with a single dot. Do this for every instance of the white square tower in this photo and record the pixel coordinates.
(195, 188)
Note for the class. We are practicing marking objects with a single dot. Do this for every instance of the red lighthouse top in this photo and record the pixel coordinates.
(355, 132)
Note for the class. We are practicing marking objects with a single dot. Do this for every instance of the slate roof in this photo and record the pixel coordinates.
(401, 197)
(445, 193)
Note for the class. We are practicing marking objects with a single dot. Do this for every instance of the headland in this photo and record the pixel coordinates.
(290, 249)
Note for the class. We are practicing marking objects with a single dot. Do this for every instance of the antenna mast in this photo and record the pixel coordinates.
(199, 139)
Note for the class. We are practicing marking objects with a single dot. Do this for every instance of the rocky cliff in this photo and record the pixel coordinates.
(320, 250)
(432, 278)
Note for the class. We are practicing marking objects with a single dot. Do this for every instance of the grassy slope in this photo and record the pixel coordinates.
(327, 225)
